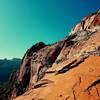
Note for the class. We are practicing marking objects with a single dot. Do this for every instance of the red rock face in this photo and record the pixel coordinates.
(96, 22)
(68, 69)
(89, 23)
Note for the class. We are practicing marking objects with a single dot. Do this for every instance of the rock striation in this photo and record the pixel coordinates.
(66, 70)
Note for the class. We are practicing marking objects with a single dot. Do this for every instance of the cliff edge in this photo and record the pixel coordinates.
(66, 70)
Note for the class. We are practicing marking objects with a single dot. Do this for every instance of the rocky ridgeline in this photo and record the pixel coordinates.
(83, 41)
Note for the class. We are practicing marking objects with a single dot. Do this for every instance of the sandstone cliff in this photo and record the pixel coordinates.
(66, 70)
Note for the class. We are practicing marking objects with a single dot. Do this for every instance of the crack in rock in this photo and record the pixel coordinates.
(93, 84)
(71, 65)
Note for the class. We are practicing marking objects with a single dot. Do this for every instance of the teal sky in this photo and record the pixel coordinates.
(25, 22)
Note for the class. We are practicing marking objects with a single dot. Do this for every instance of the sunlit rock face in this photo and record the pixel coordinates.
(83, 38)
(66, 70)
(89, 23)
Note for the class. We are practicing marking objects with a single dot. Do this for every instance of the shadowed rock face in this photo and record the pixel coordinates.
(60, 67)
(36, 63)
(25, 68)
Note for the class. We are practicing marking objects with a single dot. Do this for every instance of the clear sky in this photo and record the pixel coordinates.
(25, 22)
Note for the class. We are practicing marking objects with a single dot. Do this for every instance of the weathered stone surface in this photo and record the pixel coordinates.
(89, 23)
(79, 83)
(66, 70)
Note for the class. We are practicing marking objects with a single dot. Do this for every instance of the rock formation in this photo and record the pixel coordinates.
(66, 70)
